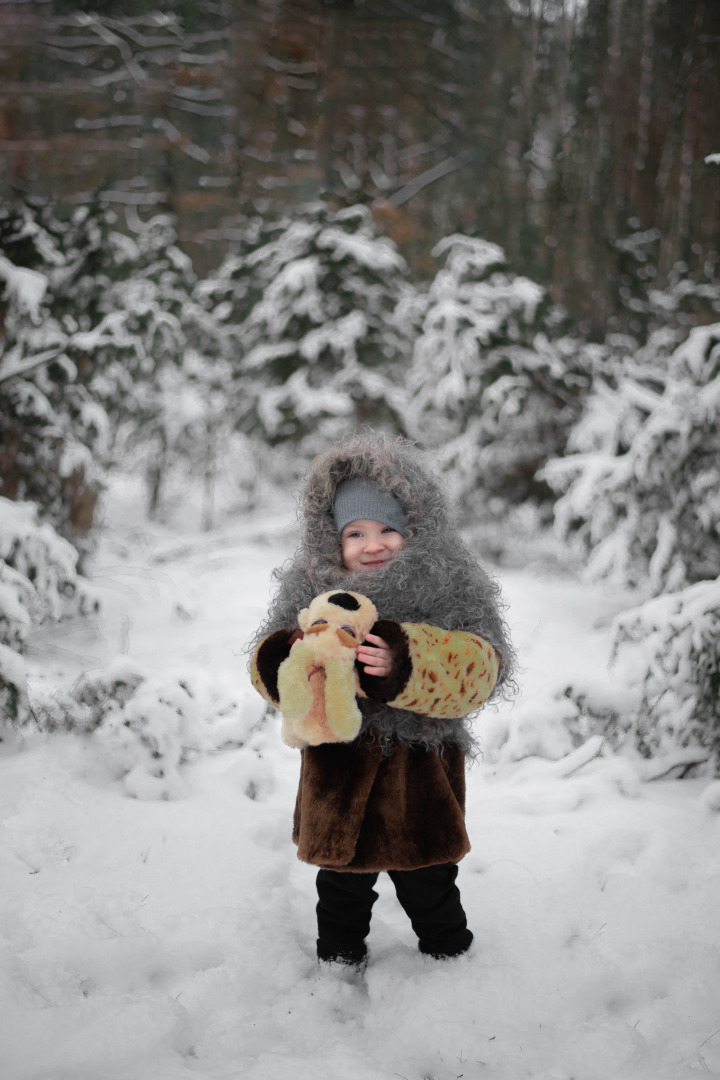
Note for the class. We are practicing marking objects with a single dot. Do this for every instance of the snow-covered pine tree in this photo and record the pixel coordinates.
(311, 309)
(494, 387)
(677, 637)
(663, 697)
(641, 482)
(97, 360)
(54, 433)
(642, 500)
(157, 367)
(39, 583)
(143, 287)
(650, 304)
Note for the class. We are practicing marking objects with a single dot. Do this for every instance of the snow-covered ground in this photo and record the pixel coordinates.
(173, 939)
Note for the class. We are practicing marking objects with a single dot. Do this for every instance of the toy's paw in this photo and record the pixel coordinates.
(294, 689)
(344, 724)
(291, 737)
(341, 710)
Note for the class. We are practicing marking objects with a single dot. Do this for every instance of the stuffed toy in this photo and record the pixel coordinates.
(317, 682)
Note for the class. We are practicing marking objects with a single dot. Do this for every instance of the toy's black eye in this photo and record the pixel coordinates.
(320, 622)
(349, 630)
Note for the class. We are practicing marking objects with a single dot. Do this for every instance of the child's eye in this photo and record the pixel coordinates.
(349, 630)
(389, 528)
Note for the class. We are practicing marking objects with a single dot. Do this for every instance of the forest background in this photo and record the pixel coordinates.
(231, 233)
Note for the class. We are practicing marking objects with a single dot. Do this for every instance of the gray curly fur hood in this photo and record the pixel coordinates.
(435, 578)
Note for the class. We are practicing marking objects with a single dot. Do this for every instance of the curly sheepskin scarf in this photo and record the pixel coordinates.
(435, 578)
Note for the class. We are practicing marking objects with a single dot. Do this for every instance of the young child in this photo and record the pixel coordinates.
(392, 799)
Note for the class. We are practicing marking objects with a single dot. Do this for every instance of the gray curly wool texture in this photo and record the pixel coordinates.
(435, 578)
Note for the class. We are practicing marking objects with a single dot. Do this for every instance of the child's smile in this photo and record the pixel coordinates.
(369, 544)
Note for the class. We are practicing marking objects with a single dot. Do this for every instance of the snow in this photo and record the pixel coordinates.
(44, 574)
(368, 251)
(641, 460)
(26, 287)
(12, 669)
(172, 938)
(467, 252)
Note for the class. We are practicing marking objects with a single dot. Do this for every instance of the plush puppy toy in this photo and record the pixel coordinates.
(317, 682)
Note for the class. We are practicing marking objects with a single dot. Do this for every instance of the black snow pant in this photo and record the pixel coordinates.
(429, 896)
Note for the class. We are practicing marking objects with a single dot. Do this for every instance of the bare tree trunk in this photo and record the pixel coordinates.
(154, 478)
(209, 482)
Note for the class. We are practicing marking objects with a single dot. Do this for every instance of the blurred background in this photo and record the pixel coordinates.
(233, 231)
(566, 131)
(258, 224)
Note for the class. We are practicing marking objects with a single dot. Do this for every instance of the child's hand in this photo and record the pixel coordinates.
(376, 658)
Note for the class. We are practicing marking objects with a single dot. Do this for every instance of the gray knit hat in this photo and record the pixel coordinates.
(361, 499)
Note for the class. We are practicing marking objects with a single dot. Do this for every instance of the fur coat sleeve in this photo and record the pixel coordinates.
(439, 673)
(266, 660)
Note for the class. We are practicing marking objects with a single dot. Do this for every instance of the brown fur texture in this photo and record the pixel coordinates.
(357, 810)
(274, 649)
(389, 686)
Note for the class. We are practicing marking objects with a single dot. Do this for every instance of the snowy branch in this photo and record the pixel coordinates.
(29, 364)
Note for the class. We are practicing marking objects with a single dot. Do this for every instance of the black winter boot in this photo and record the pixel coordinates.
(350, 955)
(449, 948)
(432, 900)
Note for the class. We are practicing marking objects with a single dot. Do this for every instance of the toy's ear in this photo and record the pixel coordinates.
(367, 615)
(304, 619)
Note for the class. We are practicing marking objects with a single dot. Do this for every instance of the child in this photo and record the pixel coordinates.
(393, 799)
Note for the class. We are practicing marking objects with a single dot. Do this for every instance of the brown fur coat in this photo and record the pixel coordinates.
(394, 798)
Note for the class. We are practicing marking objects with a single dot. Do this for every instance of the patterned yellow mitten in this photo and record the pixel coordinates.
(441, 674)
(451, 672)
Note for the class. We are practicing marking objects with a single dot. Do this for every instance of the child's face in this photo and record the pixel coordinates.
(368, 544)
